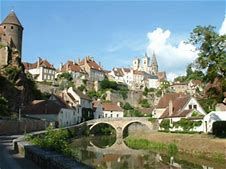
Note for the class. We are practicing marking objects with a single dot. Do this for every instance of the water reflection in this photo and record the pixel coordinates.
(107, 152)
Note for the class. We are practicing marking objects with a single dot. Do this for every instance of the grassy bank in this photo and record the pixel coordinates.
(171, 148)
(196, 146)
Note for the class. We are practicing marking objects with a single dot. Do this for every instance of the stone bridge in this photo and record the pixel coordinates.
(119, 124)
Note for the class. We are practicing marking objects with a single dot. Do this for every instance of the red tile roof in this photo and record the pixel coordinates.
(164, 101)
(42, 63)
(91, 63)
(71, 66)
(111, 107)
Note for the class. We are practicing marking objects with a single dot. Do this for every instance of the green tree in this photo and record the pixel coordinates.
(212, 52)
(127, 106)
(144, 103)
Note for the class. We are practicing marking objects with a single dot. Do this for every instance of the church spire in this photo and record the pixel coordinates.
(154, 64)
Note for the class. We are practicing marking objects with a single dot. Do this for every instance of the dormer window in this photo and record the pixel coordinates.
(195, 106)
(190, 106)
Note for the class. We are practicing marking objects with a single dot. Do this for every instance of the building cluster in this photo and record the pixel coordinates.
(71, 106)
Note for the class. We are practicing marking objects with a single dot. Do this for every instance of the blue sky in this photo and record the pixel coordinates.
(113, 32)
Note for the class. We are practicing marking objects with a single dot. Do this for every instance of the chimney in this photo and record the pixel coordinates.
(170, 108)
(118, 103)
(39, 60)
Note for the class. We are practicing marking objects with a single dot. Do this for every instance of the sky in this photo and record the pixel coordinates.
(114, 32)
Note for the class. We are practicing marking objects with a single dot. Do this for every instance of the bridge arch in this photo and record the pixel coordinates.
(102, 122)
(127, 125)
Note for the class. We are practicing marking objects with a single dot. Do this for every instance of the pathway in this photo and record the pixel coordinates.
(9, 159)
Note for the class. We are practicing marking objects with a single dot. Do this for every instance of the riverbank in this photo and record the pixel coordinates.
(193, 146)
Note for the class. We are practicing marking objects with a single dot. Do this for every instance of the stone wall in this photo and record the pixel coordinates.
(9, 127)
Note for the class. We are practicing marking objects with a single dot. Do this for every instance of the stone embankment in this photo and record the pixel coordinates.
(45, 158)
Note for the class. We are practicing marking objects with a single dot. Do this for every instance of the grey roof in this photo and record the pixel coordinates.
(12, 19)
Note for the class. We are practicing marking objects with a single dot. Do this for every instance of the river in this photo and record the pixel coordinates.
(106, 152)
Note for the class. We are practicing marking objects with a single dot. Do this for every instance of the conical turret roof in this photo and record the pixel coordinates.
(12, 19)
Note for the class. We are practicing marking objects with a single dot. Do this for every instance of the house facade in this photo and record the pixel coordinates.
(94, 70)
(53, 110)
(112, 110)
(41, 70)
(79, 102)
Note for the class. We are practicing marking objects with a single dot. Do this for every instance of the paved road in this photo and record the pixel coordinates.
(11, 160)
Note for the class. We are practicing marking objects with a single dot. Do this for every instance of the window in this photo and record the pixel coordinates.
(195, 106)
(111, 115)
(105, 115)
(117, 115)
(11, 27)
(190, 106)
(4, 27)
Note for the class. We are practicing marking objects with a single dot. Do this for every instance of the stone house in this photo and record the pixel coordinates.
(94, 70)
(176, 106)
(41, 70)
(179, 87)
(112, 110)
(74, 69)
(80, 102)
(53, 110)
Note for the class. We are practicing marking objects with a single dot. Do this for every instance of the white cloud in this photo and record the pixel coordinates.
(171, 58)
(222, 30)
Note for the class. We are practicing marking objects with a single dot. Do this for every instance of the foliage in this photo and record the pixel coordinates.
(145, 92)
(103, 129)
(208, 104)
(195, 114)
(152, 120)
(12, 73)
(106, 84)
(187, 124)
(4, 107)
(82, 88)
(56, 140)
(123, 91)
(66, 75)
(219, 128)
(94, 94)
(127, 106)
(212, 52)
(165, 124)
(144, 103)
(133, 113)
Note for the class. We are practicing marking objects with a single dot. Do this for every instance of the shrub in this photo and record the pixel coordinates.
(219, 128)
(56, 140)
(144, 103)
(187, 124)
(3, 107)
(127, 106)
(165, 124)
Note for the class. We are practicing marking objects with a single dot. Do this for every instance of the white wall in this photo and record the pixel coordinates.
(113, 114)
(193, 102)
(153, 83)
(67, 117)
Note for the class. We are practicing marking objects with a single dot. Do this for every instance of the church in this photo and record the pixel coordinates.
(11, 33)
(146, 65)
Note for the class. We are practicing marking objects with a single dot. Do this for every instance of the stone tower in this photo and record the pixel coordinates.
(154, 65)
(13, 28)
(146, 63)
(136, 64)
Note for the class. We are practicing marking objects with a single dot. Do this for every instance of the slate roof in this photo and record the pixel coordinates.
(12, 19)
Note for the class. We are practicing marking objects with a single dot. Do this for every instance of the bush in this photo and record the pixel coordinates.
(219, 128)
(165, 124)
(144, 103)
(127, 106)
(56, 140)
(187, 124)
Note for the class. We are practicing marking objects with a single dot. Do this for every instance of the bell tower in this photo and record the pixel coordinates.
(154, 65)
(13, 28)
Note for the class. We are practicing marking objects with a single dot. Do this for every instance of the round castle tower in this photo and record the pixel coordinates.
(13, 29)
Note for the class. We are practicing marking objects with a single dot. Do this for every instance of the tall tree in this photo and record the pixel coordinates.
(212, 52)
